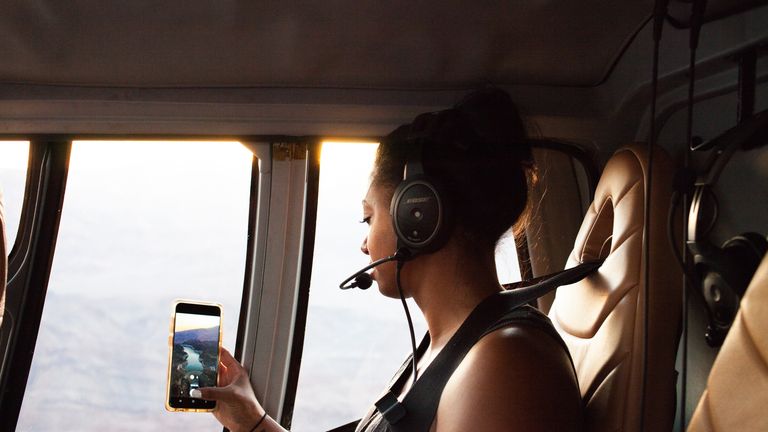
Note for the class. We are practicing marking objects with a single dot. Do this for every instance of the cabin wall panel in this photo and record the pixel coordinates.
(742, 192)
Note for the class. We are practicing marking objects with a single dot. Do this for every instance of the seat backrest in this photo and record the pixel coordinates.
(601, 318)
(736, 396)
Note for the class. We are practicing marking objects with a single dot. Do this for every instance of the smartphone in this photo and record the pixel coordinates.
(193, 354)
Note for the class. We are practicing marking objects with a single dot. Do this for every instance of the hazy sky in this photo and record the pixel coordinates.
(13, 169)
(186, 321)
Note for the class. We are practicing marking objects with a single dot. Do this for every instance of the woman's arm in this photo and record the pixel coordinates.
(236, 405)
(514, 379)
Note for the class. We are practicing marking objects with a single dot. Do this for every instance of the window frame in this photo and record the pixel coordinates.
(280, 270)
(305, 274)
(31, 257)
(29, 269)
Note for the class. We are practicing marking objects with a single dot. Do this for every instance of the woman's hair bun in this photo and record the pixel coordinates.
(495, 119)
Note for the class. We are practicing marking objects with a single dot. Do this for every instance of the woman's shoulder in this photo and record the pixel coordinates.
(523, 339)
(518, 374)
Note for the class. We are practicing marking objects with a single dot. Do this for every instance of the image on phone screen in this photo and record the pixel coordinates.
(194, 354)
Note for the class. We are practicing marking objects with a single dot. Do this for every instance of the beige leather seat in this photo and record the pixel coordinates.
(601, 318)
(736, 398)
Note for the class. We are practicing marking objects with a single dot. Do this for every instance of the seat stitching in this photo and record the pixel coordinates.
(613, 306)
(598, 213)
(628, 235)
(624, 195)
(600, 378)
(640, 263)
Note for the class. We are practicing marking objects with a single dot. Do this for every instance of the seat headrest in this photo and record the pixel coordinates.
(623, 195)
(612, 229)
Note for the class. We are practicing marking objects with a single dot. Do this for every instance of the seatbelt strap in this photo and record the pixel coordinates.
(418, 409)
(538, 287)
(574, 272)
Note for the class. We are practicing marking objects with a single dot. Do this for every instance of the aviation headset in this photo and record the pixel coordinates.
(422, 212)
(723, 272)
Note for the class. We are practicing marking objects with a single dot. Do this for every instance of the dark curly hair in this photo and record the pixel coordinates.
(483, 160)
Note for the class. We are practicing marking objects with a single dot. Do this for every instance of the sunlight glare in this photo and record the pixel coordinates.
(14, 154)
(106, 155)
(338, 158)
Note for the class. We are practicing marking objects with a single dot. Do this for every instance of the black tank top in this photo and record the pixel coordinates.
(417, 411)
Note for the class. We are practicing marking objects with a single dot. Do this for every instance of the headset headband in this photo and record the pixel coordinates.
(413, 165)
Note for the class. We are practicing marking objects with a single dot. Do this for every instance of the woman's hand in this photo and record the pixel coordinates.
(236, 405)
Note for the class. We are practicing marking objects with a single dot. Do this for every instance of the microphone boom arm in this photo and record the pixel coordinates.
(347, 285)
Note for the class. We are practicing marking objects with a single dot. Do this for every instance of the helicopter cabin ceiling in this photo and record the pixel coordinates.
(397, 44)
(336, 67)
(400, 44)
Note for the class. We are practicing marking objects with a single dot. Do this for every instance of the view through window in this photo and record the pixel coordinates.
(143, 223)
(355, 340)
(14, 157)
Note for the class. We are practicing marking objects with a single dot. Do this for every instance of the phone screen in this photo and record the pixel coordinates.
(194, 354)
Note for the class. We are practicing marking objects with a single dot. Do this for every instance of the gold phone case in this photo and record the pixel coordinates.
(170, 353)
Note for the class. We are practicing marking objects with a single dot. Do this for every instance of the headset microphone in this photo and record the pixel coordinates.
(363, 280)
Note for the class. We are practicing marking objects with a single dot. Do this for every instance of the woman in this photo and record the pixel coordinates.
(517, 374)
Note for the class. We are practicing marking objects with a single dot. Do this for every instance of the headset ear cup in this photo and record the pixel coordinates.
(742, 255)
(419, 215)
(728, 273)
(758, 243)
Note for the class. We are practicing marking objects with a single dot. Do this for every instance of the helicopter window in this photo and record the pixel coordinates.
(13, 176)
(507, 265)
(355, 340)
(143, 223)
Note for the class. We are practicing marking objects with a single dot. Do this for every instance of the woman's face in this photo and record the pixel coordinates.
(381, 240)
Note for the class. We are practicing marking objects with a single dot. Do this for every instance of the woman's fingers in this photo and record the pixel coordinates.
(227, 360)
(229, 372)
(225, 375)
(229, 368)
(237, 407)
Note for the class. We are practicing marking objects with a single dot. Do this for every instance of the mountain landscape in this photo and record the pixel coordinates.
(202, 335)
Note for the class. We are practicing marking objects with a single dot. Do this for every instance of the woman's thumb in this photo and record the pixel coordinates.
(212, 393)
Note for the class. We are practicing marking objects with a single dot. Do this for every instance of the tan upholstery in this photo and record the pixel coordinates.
(601, 317)
(3, 258)
(736, 398)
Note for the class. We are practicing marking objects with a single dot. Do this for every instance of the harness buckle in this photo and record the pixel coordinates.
(390, 408)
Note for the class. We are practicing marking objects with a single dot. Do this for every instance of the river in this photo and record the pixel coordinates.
(193, 359)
